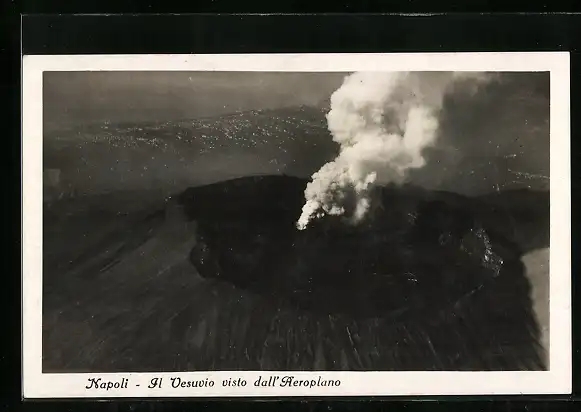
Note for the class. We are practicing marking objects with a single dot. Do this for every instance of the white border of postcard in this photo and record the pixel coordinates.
(555, 381)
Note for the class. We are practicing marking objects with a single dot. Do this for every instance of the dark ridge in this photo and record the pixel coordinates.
(521, 215)
(275, 198)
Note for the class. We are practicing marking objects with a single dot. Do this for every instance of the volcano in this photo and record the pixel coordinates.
(221, 279)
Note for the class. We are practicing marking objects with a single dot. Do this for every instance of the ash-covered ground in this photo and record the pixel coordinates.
(217, 279)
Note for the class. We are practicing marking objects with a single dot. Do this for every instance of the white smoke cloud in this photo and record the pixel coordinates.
(382, 121)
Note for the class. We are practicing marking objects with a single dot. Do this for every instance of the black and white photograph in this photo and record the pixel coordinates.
(307, 221)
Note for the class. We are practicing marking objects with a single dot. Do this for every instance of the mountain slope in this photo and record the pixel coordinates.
(221, 279)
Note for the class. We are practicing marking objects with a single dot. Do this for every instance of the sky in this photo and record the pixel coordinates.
(76, 98)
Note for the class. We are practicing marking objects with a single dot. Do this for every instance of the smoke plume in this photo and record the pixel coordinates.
(382, 121)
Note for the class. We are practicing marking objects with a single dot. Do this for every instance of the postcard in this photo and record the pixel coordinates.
(281, 225)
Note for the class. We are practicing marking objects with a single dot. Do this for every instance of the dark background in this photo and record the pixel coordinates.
(137, 34)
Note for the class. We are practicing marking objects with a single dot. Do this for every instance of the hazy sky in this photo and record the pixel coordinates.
(74, 98)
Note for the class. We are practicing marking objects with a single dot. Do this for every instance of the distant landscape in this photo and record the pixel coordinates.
(174, 155)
